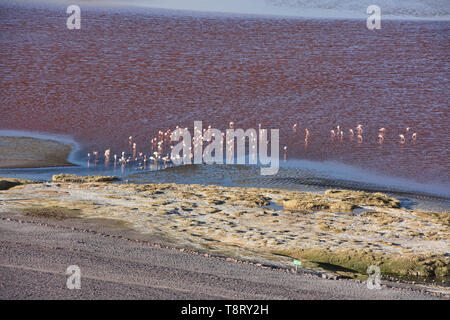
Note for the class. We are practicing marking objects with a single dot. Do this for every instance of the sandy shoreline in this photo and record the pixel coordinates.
(117, 263)
(344, 231)
(28, 152)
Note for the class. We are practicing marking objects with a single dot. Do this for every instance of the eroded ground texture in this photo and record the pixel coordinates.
(349, 230)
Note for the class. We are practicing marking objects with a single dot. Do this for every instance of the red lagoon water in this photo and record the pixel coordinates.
(135, 72)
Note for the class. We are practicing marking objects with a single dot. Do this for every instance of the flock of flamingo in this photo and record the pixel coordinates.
(158, 145)
(161, 145)
(338, 133)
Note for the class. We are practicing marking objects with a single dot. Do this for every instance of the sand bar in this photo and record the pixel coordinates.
(29, 152)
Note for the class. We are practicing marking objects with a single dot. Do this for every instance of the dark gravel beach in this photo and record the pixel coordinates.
(34, 257)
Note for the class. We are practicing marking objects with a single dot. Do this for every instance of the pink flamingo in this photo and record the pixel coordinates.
(359, 129)
(360, 138)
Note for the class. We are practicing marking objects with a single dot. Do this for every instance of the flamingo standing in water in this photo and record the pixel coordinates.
(359, 129)
(414, 136)
(402, 138)
(360, 138)
(352, 133)
(381, 135)
(122, 159)
(306, 138)
(134, 150)
(165, 160)
(107, 154)
(333, 134)
(293, 128)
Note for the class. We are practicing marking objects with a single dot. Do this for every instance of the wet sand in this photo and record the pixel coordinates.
(28, 152)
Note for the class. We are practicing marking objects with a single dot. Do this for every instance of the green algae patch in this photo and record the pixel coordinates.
(51, 212)
(72, 178)
(8, 183)
(421, 266)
